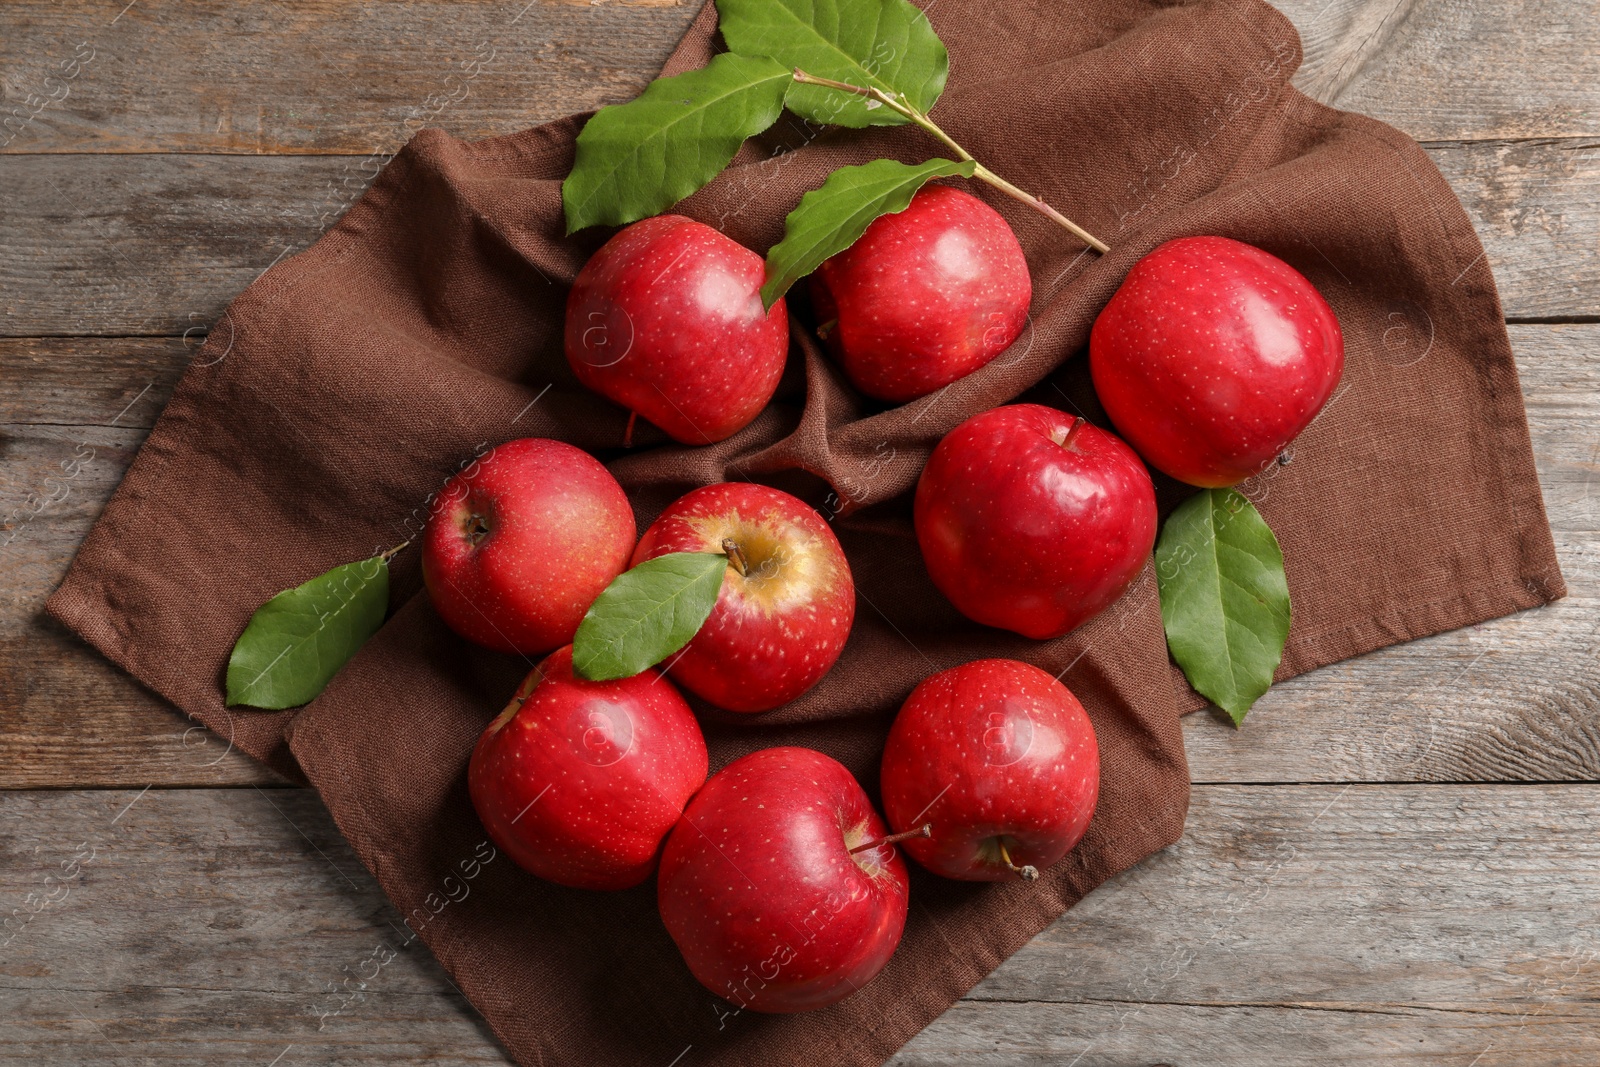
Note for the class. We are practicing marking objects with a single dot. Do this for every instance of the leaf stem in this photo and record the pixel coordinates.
(898, 105)
(386, 556)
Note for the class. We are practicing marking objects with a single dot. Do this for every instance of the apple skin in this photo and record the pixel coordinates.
(776, 630)
(925, 296)
(579, 782)
(991, 752)
(666, 320)
(1033, 521)
(761, 894)
(519, 544)
(1213, 356)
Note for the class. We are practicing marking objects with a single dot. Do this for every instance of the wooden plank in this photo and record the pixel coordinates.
(1356, 925)
(316, 76)
(89, 383)
(72, 415)
(333, 76)
(1536, 207)
(228, 925)
(1446, 70)
(141, 244)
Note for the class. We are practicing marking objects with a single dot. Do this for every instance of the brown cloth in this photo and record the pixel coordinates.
(346, 384)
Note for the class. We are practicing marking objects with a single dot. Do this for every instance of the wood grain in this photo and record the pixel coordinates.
(1341, 39)
(317, 76)
(158, 244)
(1518, 698)
(1331, 925)
(334, 76)
(72, 415)
(153, 244)
(1536, 207)
(1292, 924)
(1446, 70)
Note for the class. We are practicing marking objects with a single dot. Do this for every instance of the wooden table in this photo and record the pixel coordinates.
(1397, 860)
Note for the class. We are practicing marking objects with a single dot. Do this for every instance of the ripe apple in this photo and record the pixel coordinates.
(520, 543)
(666, 320)
(579, 782)
(787, 599)
(764, 891)
(1032, 520)
(1212, 357)
(925, 296)
(1000, 760)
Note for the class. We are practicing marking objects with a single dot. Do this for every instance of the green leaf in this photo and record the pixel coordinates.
(297, 641)
(638, 159)
(884, 44)
(831, 219)
(647, 614)
(1224, 598)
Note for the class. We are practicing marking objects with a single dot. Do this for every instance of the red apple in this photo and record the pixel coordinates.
(1212, 357)
(787, 599)
(1032, 520)
(579, 782)
(520, 543)
(1000, 760)
(761, 892)
(925, 296)
(666, 320)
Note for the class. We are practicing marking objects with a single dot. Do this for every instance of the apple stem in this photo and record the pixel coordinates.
(525, 690)
(925, 830)
(393, 552)
(735, 554)
(627, 435)
(897, 103)
(1027, 872)
(1078, 423)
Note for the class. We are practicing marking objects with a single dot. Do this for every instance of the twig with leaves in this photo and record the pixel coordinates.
(854, 63)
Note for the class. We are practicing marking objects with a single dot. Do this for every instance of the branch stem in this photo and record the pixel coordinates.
(898, 105)
(983, 173)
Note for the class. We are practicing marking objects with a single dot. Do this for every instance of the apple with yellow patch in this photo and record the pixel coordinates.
(787, 599)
